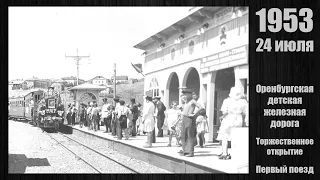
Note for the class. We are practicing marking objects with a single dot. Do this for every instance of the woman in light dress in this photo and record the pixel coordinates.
(233, 108)
(148, 120)
(172, 117)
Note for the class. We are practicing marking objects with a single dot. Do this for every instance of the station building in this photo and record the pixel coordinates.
(86, 93)
(206, 51)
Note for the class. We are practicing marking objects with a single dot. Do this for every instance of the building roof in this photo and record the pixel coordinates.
(37, 79)
(21, 93)
(58, 81)
(71, 78)
(195, 15)
(16, 82)
(88, 86)
(32, 79)
(97, 77)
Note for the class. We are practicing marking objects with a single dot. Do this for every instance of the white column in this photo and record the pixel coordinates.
(237, 82)
(210, 105)
(166, 98)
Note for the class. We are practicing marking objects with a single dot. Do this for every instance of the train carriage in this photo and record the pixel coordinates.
(31, 104)
(22, 106)
(16, 108)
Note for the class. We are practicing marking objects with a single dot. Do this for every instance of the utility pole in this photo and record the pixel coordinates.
(114, 83)
(77, 58)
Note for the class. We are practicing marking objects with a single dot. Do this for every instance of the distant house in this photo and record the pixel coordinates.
(132, 81)
(99, 80)
(35, 82)
(58, 84)
(73, 80)
(107, 91)
(16, 84)
(120, 79)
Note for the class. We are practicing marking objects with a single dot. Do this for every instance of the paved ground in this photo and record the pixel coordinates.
(207, 156)
(31, 151)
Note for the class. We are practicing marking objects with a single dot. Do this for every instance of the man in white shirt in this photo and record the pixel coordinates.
(195, 96)
(105, 115)
(95, 116)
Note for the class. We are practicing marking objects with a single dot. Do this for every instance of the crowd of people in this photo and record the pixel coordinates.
(120, 120)
(186, 122)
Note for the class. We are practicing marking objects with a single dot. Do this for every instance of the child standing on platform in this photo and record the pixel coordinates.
(202, 127)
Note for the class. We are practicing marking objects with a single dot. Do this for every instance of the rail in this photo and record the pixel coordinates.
(93, 150)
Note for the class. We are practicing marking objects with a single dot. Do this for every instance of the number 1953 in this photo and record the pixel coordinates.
(291, 24)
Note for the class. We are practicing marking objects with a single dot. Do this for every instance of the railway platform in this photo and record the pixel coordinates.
(205, 159)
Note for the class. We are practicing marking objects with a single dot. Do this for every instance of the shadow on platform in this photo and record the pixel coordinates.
(19, 162)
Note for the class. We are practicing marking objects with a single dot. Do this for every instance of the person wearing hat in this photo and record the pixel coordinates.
(89, 116)
(160, 108)
(105, 115)
(148, 120)
(188, 126)
(233, 108)
(69, 114)
(81, 114)
(122, 114)
(114, 119)
(95, 116)
(73, 114)
(135, 114)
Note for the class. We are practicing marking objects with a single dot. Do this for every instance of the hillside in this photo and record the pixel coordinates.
(127, 91)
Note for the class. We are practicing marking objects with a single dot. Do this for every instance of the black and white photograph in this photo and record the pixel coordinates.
(128, 90)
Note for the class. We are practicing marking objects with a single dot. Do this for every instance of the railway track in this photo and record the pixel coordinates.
(102, 156)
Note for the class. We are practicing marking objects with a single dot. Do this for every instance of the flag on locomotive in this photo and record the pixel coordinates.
(50, 110)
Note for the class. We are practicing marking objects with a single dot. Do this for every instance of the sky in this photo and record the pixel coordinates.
(40, 37)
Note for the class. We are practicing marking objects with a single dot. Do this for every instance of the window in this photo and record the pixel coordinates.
(173, 51)
(155, 92)
(191, 47)
(154, 86)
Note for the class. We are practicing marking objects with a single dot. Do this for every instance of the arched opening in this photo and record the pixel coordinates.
(225, 79)
(192, 80)
(173, 88)
(87, 97)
